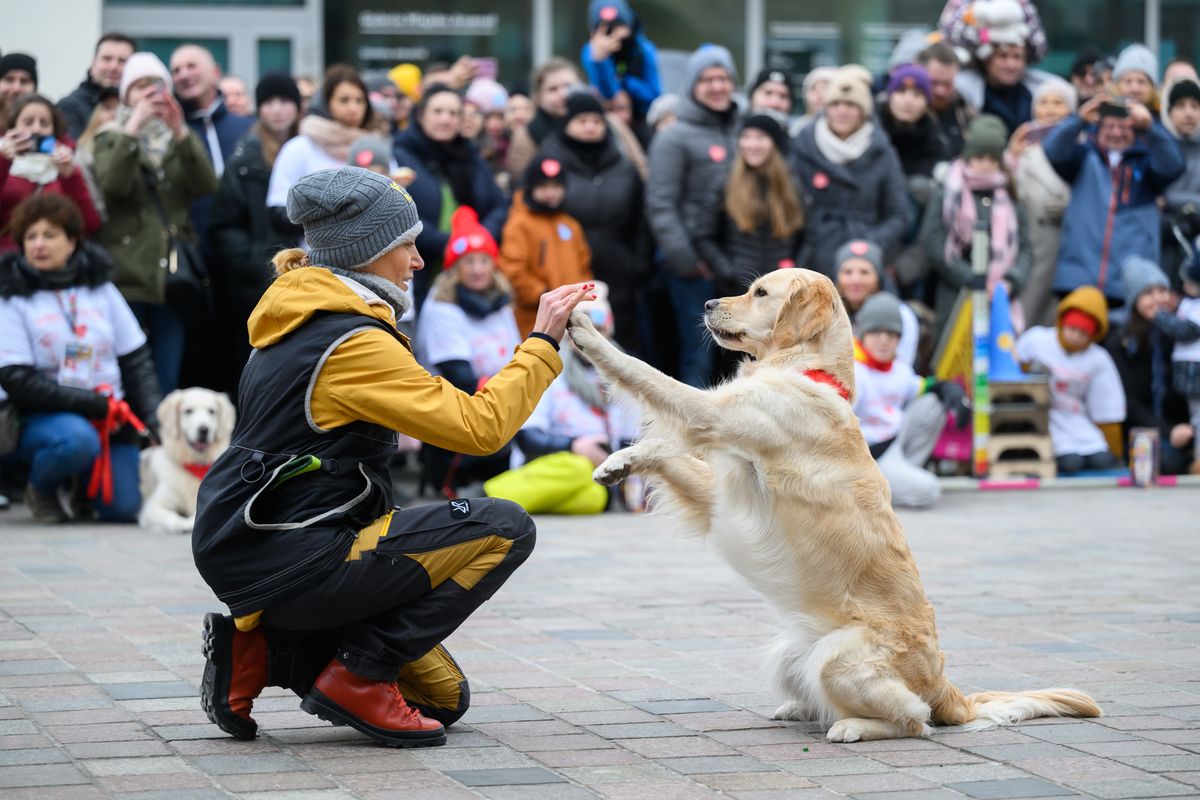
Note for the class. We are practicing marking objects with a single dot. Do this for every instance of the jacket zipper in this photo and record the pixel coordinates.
(1115, 175)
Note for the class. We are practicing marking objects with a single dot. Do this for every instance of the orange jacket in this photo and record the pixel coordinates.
(540, 252)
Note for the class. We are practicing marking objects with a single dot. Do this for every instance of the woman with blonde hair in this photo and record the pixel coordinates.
(296, 529)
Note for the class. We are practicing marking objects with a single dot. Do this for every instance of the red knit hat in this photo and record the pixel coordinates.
(467, 236)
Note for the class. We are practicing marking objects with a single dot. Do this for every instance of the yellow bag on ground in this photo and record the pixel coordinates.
(560, 483)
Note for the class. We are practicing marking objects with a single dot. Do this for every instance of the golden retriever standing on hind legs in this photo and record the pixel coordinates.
(773, 468)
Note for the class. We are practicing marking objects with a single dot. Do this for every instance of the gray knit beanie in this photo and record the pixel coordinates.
(880, 312)
(352, 216)
(705, 56)
(1136, 58)
(1139, 274)
(860, 248)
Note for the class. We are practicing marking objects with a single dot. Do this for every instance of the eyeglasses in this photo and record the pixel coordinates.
(716, 80)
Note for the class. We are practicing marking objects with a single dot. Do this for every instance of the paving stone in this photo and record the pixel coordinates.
(1150, 786)
(556, 791)
(173, 794)
(143, 691)
(521, 776)
(638, 730)
(241, 765)
(40, 775)
(879, 782)
(274, 782)
(1010, 788)
(851, 765)
(21, 758)
(694, 706)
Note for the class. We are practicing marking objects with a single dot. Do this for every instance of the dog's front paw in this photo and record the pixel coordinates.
(582, 331)
(614, 469)
(792, 710)
(846, 730)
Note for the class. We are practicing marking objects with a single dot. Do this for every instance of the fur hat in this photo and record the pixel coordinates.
(986, 136)
(467, 236)
(999, 22)
(880, 312)
(1136, 58)
(848, 85)
(705, 56)
(144, 65)
(1138, 275)
(352, 216)
(911, 76)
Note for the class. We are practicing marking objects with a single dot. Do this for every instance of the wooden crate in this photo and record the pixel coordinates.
(1035, 391)
(1013, 447)
(1020, 418)
(1022, 469)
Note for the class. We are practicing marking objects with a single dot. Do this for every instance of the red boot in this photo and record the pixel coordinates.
(235, 673)
(375, 708)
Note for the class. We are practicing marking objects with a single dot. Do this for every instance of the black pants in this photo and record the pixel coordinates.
(409, 581)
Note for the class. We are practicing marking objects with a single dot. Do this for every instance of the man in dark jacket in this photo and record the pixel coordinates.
(686, 161)
(196, 76)
(1116, 174)
(108, 64)
(952, 112)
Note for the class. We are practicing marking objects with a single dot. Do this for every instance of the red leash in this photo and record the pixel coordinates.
(119, 414)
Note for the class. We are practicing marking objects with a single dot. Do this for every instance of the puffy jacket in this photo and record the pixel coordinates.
(605, 196)
(229, 128)
(1113, 212)
(1186, 188)
(540, 252)
(134, 233)
(686, 161)
(77, 107)
(864, 199)
(414, 150)
(641, 82)
(1045, 197)
(13, 190)
(737, 257)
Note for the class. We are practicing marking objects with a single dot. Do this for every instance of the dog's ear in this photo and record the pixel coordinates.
(168, 415)
(806, 313)
(226, 416)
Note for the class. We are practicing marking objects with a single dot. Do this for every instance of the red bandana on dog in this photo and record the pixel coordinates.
(199, 470)
(821, 376)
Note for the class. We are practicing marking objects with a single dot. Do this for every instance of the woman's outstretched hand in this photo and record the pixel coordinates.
(556, 306)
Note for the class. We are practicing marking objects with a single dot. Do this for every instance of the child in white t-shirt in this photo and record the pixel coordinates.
(1087, 400)
(901, 415)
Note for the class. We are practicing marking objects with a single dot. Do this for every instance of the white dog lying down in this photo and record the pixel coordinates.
(196, 428)
(773, 467)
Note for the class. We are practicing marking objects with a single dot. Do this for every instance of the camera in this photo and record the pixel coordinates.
(44, 144)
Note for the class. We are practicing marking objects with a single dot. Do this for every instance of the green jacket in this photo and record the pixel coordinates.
(134, 233)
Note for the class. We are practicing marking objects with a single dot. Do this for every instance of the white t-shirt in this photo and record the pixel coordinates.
(447, 333)
(298, 157)
(1085, 391)
(563, 413)
(34, 331)
(881, 397)
(1189, 309)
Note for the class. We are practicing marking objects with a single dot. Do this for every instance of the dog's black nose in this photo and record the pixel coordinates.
(711, 304)
(202, 435)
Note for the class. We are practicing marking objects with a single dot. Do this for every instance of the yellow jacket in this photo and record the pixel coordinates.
(373, 377)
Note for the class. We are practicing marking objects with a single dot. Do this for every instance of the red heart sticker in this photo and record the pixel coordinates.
(716, 153)
(364, 158)
(81, 331)
(859, 248)
(820, 181)
(608, 13)
(551, 168)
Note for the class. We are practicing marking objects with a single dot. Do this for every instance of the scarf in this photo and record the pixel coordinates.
(958, 214)
(842, 151)
(582, 379)
(331, 136)
(479, 305)
(536, 206)
(591, 154)
(387, 291)
(88, 266)
(36, 168)
(453, 160)
(154, 137)
(542, 125)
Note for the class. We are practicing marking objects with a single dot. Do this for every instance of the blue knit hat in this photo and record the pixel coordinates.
(609, 12)
(705, 56)
(352, 216)
(1139, 274)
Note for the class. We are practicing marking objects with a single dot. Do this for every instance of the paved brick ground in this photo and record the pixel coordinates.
(623, 661)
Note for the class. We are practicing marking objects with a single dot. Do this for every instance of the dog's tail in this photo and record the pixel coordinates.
(1009, 708)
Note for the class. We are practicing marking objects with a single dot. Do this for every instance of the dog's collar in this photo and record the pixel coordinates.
(199, 470)
(821, 376)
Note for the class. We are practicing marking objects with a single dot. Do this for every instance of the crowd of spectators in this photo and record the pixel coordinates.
(139, 212)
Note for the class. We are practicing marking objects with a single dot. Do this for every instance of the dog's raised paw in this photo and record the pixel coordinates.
(614, 470)
(845, 730)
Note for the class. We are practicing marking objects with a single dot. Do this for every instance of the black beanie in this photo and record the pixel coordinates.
(769, 75)
(769, 125)
(19, 61)
(1184, 87)
(543, 170)
(276, 84)
(582, 103)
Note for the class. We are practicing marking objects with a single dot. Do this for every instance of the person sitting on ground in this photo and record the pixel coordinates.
(1087, 403)
(543, 247)
(466, 333)
(575, 426)
(1143, 353)
(68, 339)
(901, 414)
(295, 526)
(860, 275)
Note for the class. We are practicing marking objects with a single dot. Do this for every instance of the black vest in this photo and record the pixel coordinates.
(270, 520)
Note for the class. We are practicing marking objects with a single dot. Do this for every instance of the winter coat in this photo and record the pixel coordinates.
(1044, 196)
(954, 122)
(919, 146)
(1113, 212)
(1145, 367)
(414, 150)
(953, 277)
(864, 199)
(643, 87)
(230, 128)
(1186, 188)
(736, 257)
(540, 252)
(605, 197)
(13, 190)
(686, 161)
(1014, 107)
(134, 233)
(77, 107)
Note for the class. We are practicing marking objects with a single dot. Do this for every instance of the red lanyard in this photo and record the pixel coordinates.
(72, 315)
